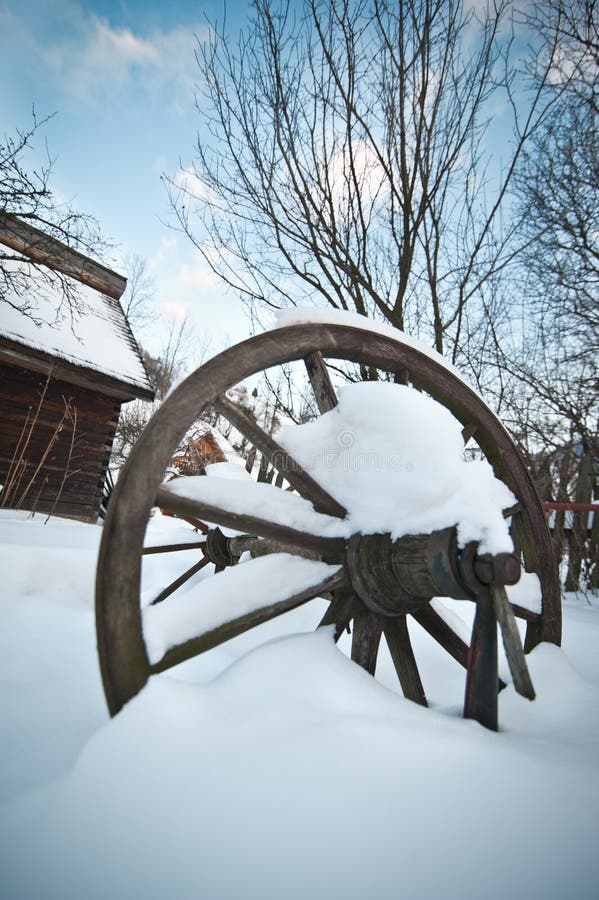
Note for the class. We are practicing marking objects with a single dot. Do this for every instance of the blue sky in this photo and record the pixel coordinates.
(120, 77)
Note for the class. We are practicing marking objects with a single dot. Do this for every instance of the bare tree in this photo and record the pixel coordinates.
(345, 158)
(164, 369)
(572, 26)
(559, 195)
(138, 298)
(557, 186)
(26, 192)
(167, 367)
(552, 360)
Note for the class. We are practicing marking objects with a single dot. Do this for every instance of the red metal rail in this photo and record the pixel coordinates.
(571, 507)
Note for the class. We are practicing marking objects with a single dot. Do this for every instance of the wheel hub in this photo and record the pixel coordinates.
(395, 577)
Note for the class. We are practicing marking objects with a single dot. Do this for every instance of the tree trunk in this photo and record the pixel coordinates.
(594, 553)
(559, 533)
(578, 535)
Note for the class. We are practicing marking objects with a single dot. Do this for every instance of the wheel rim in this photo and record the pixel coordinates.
(123, 658)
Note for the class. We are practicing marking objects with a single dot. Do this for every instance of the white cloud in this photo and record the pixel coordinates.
(573, 63)
(364, 167)
(185, 284)
(119, 49)
(175, 312)
(96, 60)
(199, 275)
(187, 182)
(166, 248)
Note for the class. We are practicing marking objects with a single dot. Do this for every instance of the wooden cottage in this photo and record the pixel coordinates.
(63, 379)
(202, 446)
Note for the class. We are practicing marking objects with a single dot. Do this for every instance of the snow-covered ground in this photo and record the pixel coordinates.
(272, 767)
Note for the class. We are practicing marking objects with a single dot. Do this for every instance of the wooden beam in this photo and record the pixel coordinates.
(48, 251)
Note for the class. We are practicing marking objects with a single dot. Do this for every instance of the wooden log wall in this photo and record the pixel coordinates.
(81, 453)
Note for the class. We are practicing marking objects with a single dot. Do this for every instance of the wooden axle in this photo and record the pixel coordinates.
(395, 577)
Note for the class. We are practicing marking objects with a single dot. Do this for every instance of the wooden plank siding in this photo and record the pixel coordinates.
(96, 421)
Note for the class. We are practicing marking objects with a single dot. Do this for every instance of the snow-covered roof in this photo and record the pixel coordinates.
(95, 335)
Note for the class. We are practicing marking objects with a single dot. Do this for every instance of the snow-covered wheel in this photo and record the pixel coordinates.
(377, 560)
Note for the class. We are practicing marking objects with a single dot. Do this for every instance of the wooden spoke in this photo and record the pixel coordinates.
(366, 638)
(300, 480)
(178, 582)
(172, 548)
(340, 612)
(468, 431)
(512, 643)
(515, 540)
(195, 523)
(331, 549)
(527, 614)
(443, 634)
(322, 386)
(481, 682)
(514, 510)
(446, 637)
(238, 626)
(539, 557)
(402, 654)
(535, 631)
(251, 458)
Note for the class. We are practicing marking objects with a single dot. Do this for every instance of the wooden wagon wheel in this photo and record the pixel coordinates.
(371, 581)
